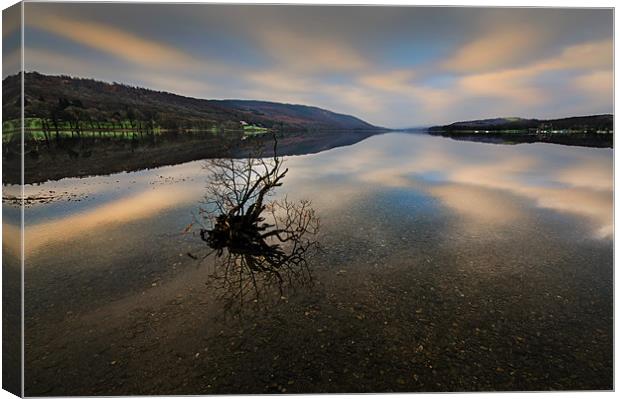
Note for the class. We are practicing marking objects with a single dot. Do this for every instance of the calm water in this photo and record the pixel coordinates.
(446, 265)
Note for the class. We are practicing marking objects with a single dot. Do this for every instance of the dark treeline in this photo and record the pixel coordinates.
(581, 124)
(588, 131)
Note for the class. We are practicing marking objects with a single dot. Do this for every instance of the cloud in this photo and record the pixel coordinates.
(589, 55)
(395, 81)
(391, 66)
(38, 59)
(404, 87)
(356, 100)
(521, 85)
(114, 41)
(274, 80)
(508, 89)
(175, 84)
(513, 84)
(598, 84)
(493, 50)
(283, 86)
(310, 53)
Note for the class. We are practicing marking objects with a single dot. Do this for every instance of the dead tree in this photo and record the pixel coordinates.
(260, 245)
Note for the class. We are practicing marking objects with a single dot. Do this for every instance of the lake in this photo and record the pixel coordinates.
(444, 265)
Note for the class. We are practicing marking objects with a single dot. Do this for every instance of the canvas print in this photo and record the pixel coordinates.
(207, 199)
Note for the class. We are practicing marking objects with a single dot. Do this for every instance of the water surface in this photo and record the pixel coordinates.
(446, 266)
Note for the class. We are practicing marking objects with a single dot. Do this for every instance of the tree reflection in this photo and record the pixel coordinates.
(260, 245)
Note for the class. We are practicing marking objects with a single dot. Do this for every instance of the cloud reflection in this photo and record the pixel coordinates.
(476, 180)
(489, 186)
(136, 206)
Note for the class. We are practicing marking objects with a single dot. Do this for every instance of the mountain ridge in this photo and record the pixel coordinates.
(98, 100)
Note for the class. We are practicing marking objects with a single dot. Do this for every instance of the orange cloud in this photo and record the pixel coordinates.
(310, 54)
(516, 83)
(589, 55)
(599, 84)
(392, 81)
(509, 84)
(493, 50)
(114, 41)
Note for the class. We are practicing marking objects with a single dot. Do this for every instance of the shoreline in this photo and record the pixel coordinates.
(597, 140)
(93, 156)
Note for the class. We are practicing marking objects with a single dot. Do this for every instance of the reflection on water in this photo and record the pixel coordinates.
(571, 180)
(259, 244)
(450, 245)
(470, 177)
(87, 156)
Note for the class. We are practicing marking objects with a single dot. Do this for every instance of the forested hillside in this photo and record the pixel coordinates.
(61, 103)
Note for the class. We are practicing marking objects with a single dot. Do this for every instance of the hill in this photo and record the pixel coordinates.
(581, 124)
(93, 104)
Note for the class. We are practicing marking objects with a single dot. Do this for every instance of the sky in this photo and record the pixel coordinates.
(391, 66)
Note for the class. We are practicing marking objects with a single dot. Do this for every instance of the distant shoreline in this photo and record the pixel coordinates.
(586, 130)
(582, 139)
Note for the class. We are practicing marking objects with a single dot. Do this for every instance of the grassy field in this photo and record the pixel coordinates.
(252, 130)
